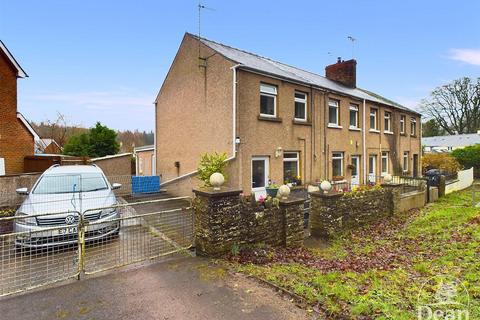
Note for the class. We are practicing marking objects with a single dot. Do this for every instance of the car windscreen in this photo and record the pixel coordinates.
(70, 183)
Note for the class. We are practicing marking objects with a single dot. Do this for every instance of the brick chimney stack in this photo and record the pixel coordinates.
(344, 72)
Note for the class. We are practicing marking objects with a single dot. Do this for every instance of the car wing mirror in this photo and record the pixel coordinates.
(116, 186)
(22, 191)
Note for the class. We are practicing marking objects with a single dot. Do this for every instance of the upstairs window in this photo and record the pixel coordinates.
(333, 114)
(354, 117)
(268, 100)
(384, 162)
(402, 124)
(387, 122)
(413, 126)
(373, 119)
(337, 164)
(300, 106)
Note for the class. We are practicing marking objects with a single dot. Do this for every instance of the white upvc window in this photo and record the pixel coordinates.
(402, 124)
(405, 161)
(387, 122)
(384, 162)
(413, 126)
(333, 113)
(337, 164)
(300, 106)
(291, 166)
(354, 121)
(373, 119)
(268, 100)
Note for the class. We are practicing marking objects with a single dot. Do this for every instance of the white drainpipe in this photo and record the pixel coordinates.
(364, 144)
(234, 112)
(154, 164)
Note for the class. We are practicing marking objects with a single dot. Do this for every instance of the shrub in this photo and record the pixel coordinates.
(469, 157)
(211, 163)
(441, 161)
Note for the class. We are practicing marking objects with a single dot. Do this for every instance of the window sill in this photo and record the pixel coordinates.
(271, 119)
(354, 129)
(403, 134)
(413, 135)
(301, 122)
(388, 132)
(374, 130)
(334, 126)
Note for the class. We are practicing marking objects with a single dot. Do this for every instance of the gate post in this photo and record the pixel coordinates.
(292, 209)
(81, 247)
(213, 211)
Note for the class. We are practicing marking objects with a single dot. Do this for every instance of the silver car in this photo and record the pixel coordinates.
(51, 211)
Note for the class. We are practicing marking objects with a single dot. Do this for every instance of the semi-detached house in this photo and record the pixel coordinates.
(277, 122)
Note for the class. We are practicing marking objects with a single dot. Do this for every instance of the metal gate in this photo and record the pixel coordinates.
(69, 245)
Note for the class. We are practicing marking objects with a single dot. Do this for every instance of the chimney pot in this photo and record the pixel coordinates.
(339, 60)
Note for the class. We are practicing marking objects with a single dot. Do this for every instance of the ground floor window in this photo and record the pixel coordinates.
(372, 163)
(337, 164)
(291, 167)
(384, 162)
(405, 161)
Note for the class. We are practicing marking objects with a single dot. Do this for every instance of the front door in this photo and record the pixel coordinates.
(355, 170)
(259, 173)
(415, 165)
(372, 168)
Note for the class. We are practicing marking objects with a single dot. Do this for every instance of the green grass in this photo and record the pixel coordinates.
(443, 238)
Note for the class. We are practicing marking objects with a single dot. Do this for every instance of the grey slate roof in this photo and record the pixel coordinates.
(254, 62)
(459, 140)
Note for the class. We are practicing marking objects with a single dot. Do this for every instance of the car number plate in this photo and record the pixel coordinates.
(68, 230)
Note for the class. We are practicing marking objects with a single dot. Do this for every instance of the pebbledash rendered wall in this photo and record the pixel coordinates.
(333, 213)
(223, 219)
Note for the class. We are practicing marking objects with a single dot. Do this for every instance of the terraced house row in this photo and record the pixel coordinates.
(277, 122)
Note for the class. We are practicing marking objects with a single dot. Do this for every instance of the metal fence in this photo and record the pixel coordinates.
(408, 184)
(58, 236)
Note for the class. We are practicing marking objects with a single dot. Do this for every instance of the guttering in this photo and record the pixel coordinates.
(364, 146)
(234, 127)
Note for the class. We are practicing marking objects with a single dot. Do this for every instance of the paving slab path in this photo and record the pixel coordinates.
(181, 288)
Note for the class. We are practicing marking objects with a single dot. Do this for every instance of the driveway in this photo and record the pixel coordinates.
(182, 288)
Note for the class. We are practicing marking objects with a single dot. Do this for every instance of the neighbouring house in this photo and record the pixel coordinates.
(41, 145)
(449, 143)
(47, 146)
(277, 122)
(16, 140)
(145, 160)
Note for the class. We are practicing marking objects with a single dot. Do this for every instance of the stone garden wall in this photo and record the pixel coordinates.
(334, 213)
(224, 219)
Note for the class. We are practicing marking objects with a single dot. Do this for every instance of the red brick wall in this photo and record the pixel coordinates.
(344, 72)
(15, 139)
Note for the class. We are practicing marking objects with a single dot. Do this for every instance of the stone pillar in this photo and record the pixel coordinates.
(217, 220)
(325, 219)
(395, 190)
(292, 209)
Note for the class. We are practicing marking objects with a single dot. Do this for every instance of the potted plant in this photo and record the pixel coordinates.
(351, 167)
(272, 189)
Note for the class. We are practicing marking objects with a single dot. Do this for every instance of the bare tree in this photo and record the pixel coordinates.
(455, 106)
